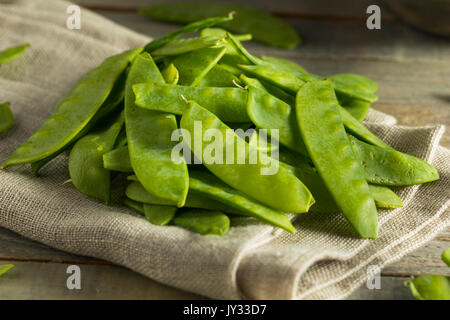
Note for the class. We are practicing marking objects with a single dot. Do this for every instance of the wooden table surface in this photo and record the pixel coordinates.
(413, 72)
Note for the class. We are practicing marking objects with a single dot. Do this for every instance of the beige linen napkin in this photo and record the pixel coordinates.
(321, 261)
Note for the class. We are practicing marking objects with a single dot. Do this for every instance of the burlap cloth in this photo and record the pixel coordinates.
(320, 261)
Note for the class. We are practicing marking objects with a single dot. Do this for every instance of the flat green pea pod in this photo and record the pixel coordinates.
(389, 167)
(170, 74)
(267, 87)
(136, 192)
(357, 129)
(284, 63)
(335, 160)
(192, 27)
(73, 112)
(12, 53)
(385, 197)
(264, 28)
(86, 161)
(112, 103)
(134, 205)
(6, 117)
(208, 185)
(268, 112)
(287, 194)
(193, 66)
(430, 287)
(219, 76)
(354, 86)
(356, 107)
(203, 221)
(118, 160)
(149, 139)
(180, 46)
(219, 32)
(240, 50)
(159, 215)
(229, 104)
(446, 257)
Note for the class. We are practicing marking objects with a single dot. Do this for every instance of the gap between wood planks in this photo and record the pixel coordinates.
(281, 14)
(60, 261)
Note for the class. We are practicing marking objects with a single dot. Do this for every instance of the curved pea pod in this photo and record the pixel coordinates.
(180, 46)
(240, 50)
(203, 221)
(73, 112)
(6, 117)
(357, 108)
(430, 287)
(86, 161)
(112, 103)
(390, 167)
(383, 196)
(284, 63)
(446, 257)
(221, 33)
(135, 205)
(159, 215)
(264, 28)
(192, 27)
(136, 192)
(250, 176)
(209, 186)
(5, 267)
(219, 76)
(357, 129)
(354, 86)
(193, 66)
(149, 139)
(335, 160)
(229, 104)
(267, 87)
(268, 112)
(170, 74)
(12, 53)
(118, 160)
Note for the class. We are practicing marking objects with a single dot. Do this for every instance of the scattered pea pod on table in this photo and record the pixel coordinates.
(138, 115)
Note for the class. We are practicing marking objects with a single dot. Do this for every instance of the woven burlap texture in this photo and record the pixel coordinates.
(323, 260)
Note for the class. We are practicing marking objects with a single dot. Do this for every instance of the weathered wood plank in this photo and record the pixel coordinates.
(31, 280)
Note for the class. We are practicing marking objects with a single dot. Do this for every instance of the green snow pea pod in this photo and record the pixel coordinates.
(354, 86)
(264, 28)
(356, 107)
(446, 257)
(5, 267)
(430, 287)
(86, 161)
(208, 185)
(149, 139)
(229, 104)
(284, 63)
(219, 32)
(389, 167)
(268, 112)
(203, 221)
(12, 53)
(180, 46)
(112, 103)
(192, 27)
(136, 192)
(383, 196)
(357, 129)
(170, 74)
(121, 139)
(287, 194)
(73, 112)
(335, 160)
(159, 215)
(193, 66)
(135, 205)
(6, 117)
(267, 87)
(219, 76)
(118, 160)
(240, 50)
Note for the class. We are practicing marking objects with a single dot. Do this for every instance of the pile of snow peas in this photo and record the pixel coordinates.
(121, 117)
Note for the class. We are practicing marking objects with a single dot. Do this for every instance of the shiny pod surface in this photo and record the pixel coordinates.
(203, 221)
(12, 53)
(6, 117)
